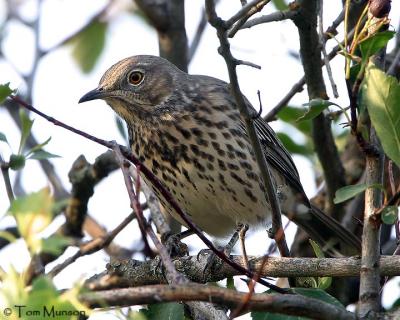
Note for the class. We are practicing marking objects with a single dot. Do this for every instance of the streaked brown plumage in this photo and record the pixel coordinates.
(188, 131)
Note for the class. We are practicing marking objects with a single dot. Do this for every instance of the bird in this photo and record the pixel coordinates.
(188, 131)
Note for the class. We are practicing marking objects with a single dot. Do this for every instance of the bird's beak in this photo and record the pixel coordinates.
(94, 94)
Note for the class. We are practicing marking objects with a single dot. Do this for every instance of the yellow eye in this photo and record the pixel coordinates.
(135, 77)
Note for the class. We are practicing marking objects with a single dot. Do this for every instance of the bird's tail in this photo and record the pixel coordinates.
(328, 232)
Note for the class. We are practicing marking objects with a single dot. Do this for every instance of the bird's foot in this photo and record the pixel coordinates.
(176, 248)
(214, 263)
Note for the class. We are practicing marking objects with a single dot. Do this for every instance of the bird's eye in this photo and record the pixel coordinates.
(135, 77)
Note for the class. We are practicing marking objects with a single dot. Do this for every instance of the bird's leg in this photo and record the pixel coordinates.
(175, 246)
(242, 236)
(213, 262)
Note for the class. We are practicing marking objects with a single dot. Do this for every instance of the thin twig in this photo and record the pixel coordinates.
(151, 199)
(172, 275)
(224, 50)
(273, 17)
(156, 183)
(244, 11)
(6, 176)
(322, 40)
(133, 196)
(247, 63)
(298, 86)
(243, 305)
(242, 238)
(391, 176)
(395, 63)
(393, 201)
(257, 7)
(198, 35)
(92, 246)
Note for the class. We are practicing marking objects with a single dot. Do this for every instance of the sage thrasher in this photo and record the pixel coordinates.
(188, 131)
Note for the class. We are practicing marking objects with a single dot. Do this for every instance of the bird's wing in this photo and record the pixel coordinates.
(276, 154)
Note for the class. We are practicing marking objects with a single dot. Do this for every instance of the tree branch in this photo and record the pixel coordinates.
(244, 16)
(133, 273)
(285, 304)
(172, 275)
(324, 144)
(273, 17)
(168, 18)
(370, 274)
(156, 183)
(231, 63)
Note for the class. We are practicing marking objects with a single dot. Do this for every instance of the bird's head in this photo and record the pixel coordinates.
(137, 88)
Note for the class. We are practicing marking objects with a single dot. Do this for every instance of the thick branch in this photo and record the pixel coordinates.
(286, 304)
(168, 18)
(370, 273)
(231, 63)
(84, 177)
(133, 273)
(324, 144)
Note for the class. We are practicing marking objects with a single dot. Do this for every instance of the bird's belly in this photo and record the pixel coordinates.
(214, 204)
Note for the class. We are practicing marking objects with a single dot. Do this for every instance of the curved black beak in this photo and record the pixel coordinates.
(94, 94)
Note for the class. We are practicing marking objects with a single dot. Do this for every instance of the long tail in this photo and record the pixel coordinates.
(328, 232)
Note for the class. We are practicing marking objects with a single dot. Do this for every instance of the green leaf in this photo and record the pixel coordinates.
(43, 290)
(351, 191)
(381, 95)
(323, 282)
(319, 295)
(354, 71)
(88, 45)
(8, 236)
(316, 106)
(41, 154)
(133, 315)
(306, 282)
(390, 214)
(55, 244)
(373, 44)
(3, 137)
(395, 304)
(280, 4)
(170, 311)
(291, 114)
(5, 91)
(38, 147)
(17, 161)
(12, 288)
(311, 293)
(26, 126)
(45, 297)
(292, 146)
(33, 214)
(230, 283)
(259, 315)
(317, 250)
